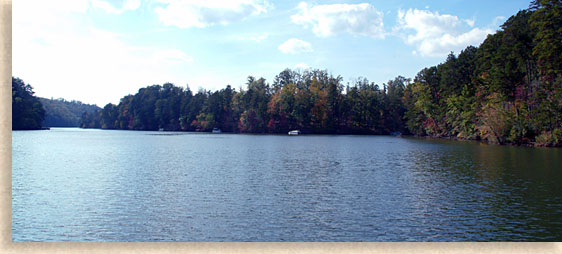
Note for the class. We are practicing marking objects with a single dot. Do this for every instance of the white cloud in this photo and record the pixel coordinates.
(436, 35)
(61, 6)
(128, 5)
(470, 22)
(295, 46)
(62, 56)
(259, 38)
(251, 37)
(497, 20)
(199, 13)
(328, 20)
(64, 7)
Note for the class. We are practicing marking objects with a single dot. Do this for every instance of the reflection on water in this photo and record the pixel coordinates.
(91, 185)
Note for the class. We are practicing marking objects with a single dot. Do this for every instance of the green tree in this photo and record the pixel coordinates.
(546, 19)
(27, 110)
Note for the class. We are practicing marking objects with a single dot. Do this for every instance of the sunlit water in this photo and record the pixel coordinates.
(100, 185)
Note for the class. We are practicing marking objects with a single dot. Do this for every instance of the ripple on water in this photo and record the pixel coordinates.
(70, 185)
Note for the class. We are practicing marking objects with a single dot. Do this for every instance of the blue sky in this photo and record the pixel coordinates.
(98, 51)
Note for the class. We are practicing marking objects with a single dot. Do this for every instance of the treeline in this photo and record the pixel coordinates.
(63, 113)
(509, 90)
(312, 101)
(27, 111)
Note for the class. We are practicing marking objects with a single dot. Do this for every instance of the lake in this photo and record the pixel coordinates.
(108, 185)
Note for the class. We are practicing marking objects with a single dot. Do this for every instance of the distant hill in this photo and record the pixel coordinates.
(63, 113)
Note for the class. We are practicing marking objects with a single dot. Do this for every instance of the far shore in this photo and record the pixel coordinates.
(532, 144)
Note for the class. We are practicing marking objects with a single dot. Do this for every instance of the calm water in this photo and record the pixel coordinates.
(94, 185)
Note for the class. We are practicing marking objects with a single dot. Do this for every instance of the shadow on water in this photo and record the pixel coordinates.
(505, 193)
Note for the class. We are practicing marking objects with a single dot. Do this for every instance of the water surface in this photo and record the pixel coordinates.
(102, 185)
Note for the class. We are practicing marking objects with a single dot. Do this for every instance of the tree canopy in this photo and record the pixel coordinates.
(27, 111)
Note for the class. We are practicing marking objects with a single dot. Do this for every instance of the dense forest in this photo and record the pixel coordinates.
(508, 90)
(312, 101)
(63, 113)
(27, 111)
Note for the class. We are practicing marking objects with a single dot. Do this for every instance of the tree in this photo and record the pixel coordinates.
(546, 19)
(27, 110)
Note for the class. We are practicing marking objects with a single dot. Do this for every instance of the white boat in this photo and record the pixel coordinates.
(216, 130)
(294, 132)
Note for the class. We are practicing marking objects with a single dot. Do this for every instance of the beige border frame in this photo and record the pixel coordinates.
(7, 246)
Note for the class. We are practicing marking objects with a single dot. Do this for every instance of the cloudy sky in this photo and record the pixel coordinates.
(98, 51)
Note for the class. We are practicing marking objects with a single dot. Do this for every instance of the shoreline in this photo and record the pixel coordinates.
(532, 145)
